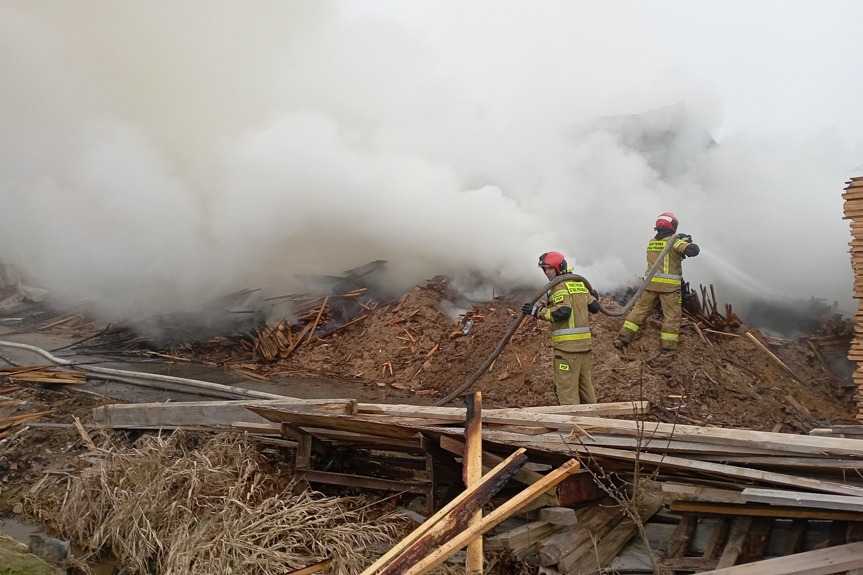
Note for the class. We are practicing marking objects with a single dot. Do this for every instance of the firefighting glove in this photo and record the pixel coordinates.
(529, 309)
(685, 237)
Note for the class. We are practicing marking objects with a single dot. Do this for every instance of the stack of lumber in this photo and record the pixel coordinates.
(854, 211)
(706, 470)
(316, 317)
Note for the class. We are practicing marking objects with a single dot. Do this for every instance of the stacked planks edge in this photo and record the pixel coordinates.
(854, 211)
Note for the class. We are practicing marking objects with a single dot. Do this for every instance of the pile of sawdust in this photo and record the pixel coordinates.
(721, 379)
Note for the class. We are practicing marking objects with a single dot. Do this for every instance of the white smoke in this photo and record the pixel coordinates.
(155, 155)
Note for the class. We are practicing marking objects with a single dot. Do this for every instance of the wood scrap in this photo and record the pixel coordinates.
(514, 461)
(439, 555)
(772, 356)
(88, 441)
(819, 562)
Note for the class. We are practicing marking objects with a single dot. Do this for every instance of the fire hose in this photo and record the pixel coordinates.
(140, 378)
(561, 278)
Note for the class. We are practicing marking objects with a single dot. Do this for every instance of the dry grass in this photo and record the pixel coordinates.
(172, 508)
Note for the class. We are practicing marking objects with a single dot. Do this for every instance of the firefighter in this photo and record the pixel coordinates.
(568, 305)
(665, 286)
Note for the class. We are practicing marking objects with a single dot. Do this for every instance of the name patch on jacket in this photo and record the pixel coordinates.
(656, 246)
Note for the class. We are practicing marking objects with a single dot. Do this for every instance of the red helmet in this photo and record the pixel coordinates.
(553, 260)
(666, 220)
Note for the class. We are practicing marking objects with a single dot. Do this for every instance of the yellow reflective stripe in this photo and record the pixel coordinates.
(669, 336)
(664, 280)
(678, 242)
(547, 314)
(630, 325)
(570, 337)
(665, 264)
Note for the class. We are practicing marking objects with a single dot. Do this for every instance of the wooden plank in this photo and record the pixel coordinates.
(717, 539)
(457, 414)
(489, 521)
(489, 460)
(802, 499)
(784, 442)
(679, 542)
(337, 422)
(520, 537)
(573, 542)
(185, 413)
(455, 521)
(701, 492)
(606, 548)
(428, 525)
(472, 464)
(18, 419)
(756, 540)
(558, 516)
(362, 481)
(635, 557)
(820, 562)
(795, 538)
(736, 539)
(756, 510)
(772, 356)
(616, 408)
(714, 468)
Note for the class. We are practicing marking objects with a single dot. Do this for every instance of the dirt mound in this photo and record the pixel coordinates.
(717, 379)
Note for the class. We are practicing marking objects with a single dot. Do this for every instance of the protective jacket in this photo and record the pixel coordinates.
(669, 276)
(567, 311)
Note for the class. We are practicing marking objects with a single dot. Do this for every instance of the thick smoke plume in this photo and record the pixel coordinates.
(155, 155)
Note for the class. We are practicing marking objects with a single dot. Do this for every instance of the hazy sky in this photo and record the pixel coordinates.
(156, 154)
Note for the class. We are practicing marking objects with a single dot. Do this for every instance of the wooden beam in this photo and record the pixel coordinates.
(606, 548)
(337, 422)
(489, 521)
(715, 468)
(185, 413)
(772, 356)
(820, 562)
(757, 539)
(516, 460)
(736, 539)
(472, 462)
(756, 510)
(489, 460)
(802, 499)
(363, 481)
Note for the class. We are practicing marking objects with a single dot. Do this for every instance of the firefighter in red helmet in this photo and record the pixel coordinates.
(665, 286)
(569, 303)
